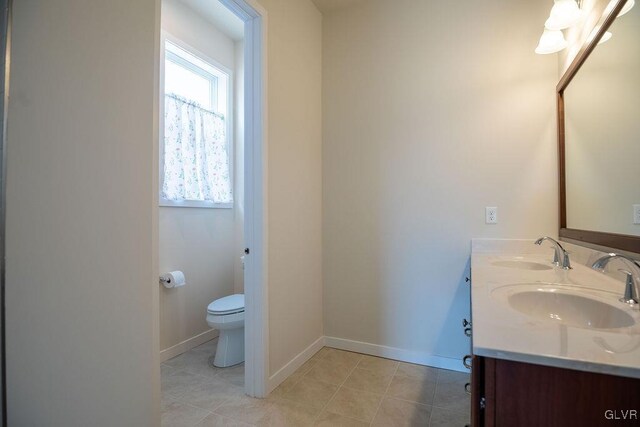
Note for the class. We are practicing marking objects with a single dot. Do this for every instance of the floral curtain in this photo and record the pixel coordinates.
(196, 154)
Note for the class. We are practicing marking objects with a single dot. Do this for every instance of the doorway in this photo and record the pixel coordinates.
(244, 204)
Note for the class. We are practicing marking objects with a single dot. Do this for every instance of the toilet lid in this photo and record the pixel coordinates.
(227, 305)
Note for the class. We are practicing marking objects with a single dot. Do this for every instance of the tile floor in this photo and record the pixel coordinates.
(334, 388)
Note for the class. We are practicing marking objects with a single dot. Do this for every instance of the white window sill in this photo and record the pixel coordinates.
(194, 204)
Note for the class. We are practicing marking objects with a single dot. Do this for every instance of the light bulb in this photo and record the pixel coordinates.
(627, 7)
(564, 14)
(552, 41)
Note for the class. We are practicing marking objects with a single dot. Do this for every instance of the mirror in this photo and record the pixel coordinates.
(599, 123)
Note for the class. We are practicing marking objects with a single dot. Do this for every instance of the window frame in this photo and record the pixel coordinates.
(162, 202)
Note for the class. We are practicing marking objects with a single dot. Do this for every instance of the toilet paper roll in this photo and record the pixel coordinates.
(173, 279)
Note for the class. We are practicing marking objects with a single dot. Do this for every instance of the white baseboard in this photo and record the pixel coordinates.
(396, 354)
(187, 345)
(288, 369)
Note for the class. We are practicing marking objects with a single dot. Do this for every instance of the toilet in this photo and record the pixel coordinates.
(227, 315)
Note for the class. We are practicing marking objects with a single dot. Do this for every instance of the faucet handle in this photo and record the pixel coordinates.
(630, 296)
(566, 263)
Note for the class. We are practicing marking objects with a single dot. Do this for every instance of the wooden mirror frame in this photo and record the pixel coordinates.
(609, 240)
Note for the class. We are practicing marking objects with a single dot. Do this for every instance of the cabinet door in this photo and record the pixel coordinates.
(528, 395)
(483, 392)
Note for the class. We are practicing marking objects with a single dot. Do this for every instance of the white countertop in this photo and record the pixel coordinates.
(501, 332)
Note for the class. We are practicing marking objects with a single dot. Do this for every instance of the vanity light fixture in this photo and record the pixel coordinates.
(627, 7)
(564, 14)
(552, 41)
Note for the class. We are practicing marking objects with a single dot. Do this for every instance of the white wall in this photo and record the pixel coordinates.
(431, 111)
(200, 242)
(82, 293)
(294, 178)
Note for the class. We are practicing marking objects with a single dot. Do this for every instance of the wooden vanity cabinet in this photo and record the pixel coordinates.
(508, 394)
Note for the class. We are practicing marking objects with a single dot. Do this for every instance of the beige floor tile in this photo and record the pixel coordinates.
(378, 364)
(210, 394)
(196, 362)
(445, 418)
(166, 400)
(232, 374)
(372, 381)
(341, 357)
(215, 420)
(292, 379)
(178, 382)
(178, 414)
(166, 370)
(185, 359)
(327, 419)
(311, 392)
(357, 404)
(244, 409)
(415, 389)
(330, 372)
(450, 393)
(306, 366)
(287, 385)
(289, 414)
(398, 413)
(446, 376)
(416, 371)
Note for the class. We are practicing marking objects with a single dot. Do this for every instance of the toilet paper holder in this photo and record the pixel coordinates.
(172, 279)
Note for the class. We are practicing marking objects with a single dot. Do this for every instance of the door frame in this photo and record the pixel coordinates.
(5, 54)
(255, 191)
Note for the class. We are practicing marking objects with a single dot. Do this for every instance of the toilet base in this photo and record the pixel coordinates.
(230, 349)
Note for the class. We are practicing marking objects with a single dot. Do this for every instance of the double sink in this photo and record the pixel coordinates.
(567, 304)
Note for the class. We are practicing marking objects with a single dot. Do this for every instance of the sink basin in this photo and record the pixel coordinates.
(563, 304)
(522, 265)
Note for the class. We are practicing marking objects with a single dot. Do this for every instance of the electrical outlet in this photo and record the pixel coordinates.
(636, 214)
(491, 215)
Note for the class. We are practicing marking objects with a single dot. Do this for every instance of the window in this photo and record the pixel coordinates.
(195, 165)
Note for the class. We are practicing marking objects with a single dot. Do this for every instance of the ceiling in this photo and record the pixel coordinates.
(329, 6)
(218, 15)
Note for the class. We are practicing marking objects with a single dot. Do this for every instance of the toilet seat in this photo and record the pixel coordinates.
(228, 305)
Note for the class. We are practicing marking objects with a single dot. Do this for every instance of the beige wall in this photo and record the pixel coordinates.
(198, 241)
(294, 181)
(82, 293)
(431, 112)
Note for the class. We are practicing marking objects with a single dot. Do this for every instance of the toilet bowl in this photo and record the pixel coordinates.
(227, 315)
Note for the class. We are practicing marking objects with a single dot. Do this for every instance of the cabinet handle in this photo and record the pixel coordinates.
(467, 331)
(466, 361)
(467, 388)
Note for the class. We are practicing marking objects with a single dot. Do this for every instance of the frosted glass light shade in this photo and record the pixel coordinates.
(606, 36)
(564, 14)
(627, 7)
(552, 41)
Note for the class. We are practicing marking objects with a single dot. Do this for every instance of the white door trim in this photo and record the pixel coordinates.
(255, 222)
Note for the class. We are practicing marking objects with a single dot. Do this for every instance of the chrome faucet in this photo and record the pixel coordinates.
(559, 254)
(632, 286)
